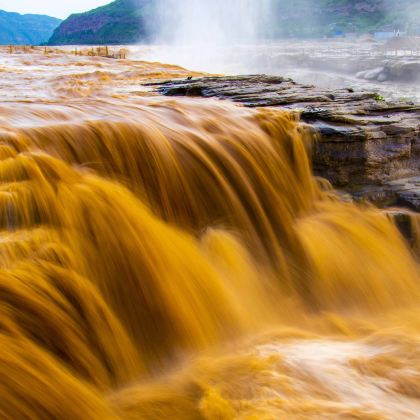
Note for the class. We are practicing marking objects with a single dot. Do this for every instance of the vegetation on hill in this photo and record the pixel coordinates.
(318, 18)
(16, 29)
(120, 22)
(127, 21)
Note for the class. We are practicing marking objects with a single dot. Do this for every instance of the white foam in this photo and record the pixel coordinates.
(328, 362)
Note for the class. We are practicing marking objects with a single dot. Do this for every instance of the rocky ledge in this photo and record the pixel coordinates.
(366, 146)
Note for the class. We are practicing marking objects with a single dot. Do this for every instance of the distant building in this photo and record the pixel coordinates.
(388, 35)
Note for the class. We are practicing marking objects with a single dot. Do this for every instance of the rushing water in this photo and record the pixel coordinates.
(176, 259)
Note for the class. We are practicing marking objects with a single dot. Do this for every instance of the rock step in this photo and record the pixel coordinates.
(363, 140)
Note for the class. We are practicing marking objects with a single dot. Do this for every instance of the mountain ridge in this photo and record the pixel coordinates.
(24, 29)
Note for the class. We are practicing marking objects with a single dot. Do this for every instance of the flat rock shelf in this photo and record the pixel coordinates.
(366, 146)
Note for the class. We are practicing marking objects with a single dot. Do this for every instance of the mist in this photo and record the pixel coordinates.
(203, 35)
(321, 42)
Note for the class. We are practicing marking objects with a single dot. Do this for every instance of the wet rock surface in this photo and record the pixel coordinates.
(408, 222)
(366, 146)
(408, 191)
(396, 70)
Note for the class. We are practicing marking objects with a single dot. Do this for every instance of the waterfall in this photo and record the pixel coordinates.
(175, 258)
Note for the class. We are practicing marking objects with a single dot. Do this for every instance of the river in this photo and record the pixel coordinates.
(176, 259)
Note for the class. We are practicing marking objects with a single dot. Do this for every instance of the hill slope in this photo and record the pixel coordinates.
(125, 21)
(19, 29)
(120, 22)
(317, 18)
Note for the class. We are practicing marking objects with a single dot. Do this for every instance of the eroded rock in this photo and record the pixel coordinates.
(363, 140)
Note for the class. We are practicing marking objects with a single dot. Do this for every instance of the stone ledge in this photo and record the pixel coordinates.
(363, 141)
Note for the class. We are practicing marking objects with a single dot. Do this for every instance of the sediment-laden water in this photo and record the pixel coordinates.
(176, 259)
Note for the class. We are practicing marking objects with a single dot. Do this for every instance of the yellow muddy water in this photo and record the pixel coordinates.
(176, 259)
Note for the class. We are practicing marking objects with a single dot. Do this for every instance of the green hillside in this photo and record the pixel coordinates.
(318, 18)
(127, 21)
(120, 22)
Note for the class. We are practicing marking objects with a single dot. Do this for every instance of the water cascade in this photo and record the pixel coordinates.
(170, 258)
(131, 245)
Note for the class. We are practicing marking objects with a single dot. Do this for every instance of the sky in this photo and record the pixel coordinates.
(57, 8)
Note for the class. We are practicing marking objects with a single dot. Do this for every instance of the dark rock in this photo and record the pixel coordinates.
(408, 224)
(407, 191)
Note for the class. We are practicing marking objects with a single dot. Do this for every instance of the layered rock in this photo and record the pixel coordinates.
(364, 143)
